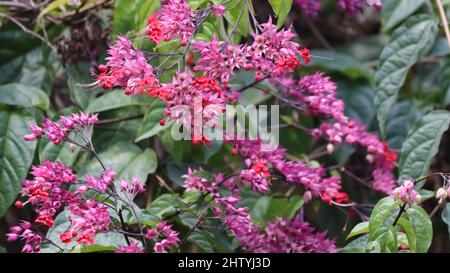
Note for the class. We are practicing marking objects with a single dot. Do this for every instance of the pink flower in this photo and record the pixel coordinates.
(132, 248)
(406, 193)
(309, 7)
(219, 10)
(175, 19)
(218, 59)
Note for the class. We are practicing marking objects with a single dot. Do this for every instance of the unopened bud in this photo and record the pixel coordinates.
(418, 199)
(441, 194)
(72, 147)
(330, 148)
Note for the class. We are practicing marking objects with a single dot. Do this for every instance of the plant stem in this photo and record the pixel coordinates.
(402, 209)
(443, 20)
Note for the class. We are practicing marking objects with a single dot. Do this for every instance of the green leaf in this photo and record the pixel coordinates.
(22, 95)
(422, 225)
(359, 229)
(164, 205)
(283, 207)
(410, 232)
(150, 124)
(394, 12)
(16, 154)
(410, 41)
(114, 99)
(340, 62)
(131, 15)
(234, 8)
(78, 74)
(382, 216)
(127, 159)
(422, 144)
(281, 9)
(200, 239)
(399, 121)
(446, 216)
(358, 97)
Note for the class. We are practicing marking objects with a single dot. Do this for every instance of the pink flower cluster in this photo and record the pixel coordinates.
(128, 68)
(101, 183)
(131, 189)
(175, 19)
(23, 231)
(406, 193)
(354, 6)
(259, 163)
(163, 236)
(194, 95)
(45, 190)
(316, 95)
(295, 236)
(218, 59)
(87, 219)
(279, 236)
(132, 248)
(58, 132)
(311, 8)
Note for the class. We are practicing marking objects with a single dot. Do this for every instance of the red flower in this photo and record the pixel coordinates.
(66, 237)
(260, 167)
(306, 55)
(391, 158)
(46, 220)
(154, 31)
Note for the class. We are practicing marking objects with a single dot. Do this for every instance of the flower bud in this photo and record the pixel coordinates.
(72, 147)
(330, 148)
(441, 194)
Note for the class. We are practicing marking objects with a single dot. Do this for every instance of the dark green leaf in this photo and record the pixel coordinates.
(422, 144)
(24, 96)
(413, 39)
(16, 154)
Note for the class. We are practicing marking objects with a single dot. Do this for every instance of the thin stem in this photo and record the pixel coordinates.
(197, 223)
(25, 29)
(402, 209)
(443, 20)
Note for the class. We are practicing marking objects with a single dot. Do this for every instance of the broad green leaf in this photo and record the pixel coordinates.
(195, 4)
(340, 62)
(410, 41)
(395, 11)
(283, 207)
(16, 154)
(127, 159)
(358, 98)
(382, 216)
(281, 9)
(399, 121)
(234, 8)
(114, 99)
(410, 232)
(391, 240)
(360, 228)
(164, 205)
(356, 246)
(24, 96)
(200, 239)
(446, 216)
(422, 144)
(422, 225)
(150, 124)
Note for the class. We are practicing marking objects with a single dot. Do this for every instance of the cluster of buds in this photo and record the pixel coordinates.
(406, 193)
